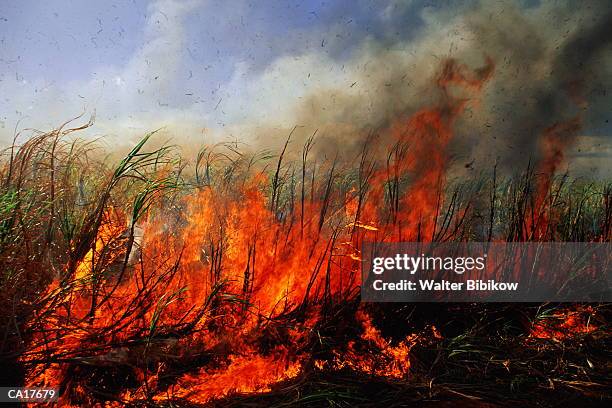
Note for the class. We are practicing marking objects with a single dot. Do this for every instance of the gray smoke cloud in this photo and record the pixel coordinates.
(552, 64)
(552, 67)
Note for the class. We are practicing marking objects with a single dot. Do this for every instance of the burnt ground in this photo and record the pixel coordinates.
(488, 355)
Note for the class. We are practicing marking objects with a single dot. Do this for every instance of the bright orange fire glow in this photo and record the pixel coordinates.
(422, 152)
(234, 267)
(377, 355)
(108, 235)
(246, 374)
(564, 324)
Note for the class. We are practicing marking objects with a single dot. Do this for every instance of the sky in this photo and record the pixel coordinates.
(213, 69)
(132, 59)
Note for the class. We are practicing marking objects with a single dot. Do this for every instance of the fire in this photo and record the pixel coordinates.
(421, 151)
(564, 324)
(109, 236)
(249, 285)
(245, 374)
(553, 145)
(227, 296)
(381, 359)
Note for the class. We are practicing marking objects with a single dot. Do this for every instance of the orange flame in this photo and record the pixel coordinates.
(380, 359)
(235, 268)
(564, 324)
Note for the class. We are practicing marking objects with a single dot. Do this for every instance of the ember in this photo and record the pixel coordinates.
(564, 324)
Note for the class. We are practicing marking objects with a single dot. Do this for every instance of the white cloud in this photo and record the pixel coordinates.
(130, 96)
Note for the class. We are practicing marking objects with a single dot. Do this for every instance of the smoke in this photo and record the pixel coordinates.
(552, 65)
(551, 69)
